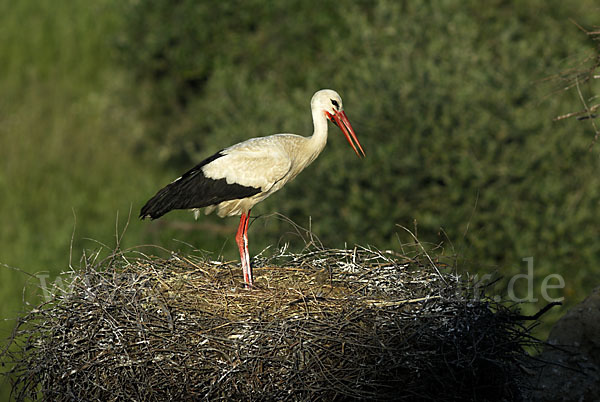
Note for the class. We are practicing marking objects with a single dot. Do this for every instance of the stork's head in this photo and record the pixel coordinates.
(330, 103)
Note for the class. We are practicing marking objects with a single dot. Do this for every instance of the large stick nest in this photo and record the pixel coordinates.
(320, 325)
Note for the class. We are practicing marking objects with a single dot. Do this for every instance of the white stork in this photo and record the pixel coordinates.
(234, 179)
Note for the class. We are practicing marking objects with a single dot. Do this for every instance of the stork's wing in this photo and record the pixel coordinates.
(240, 171)
(194, 190)
(257, 163)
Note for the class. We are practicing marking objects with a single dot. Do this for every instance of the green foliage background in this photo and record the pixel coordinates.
(103, 103)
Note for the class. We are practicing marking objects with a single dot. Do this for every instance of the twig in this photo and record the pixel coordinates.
(537, 315)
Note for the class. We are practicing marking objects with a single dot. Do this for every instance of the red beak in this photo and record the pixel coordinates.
(340, 119)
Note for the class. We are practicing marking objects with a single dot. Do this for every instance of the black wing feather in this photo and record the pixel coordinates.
(194, 190)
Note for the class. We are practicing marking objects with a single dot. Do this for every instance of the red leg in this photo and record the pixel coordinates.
(248, 276)
(241, 238)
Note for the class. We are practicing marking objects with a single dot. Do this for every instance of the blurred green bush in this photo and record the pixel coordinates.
(445, 96)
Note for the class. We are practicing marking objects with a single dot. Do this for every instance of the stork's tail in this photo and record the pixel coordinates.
(159, 205)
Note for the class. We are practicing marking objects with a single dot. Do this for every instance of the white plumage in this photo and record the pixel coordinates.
(233, 180)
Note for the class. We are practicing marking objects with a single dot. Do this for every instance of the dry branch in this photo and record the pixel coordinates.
(574, 78)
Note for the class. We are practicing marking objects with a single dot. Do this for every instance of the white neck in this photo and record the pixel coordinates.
(306, 149)
(317, 142)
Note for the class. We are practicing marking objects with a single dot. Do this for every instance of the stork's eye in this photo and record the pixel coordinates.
(335, 103)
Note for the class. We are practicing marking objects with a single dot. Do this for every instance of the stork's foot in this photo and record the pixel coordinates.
(247, 271)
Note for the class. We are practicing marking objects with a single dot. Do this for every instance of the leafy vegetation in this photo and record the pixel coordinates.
(104, 103)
